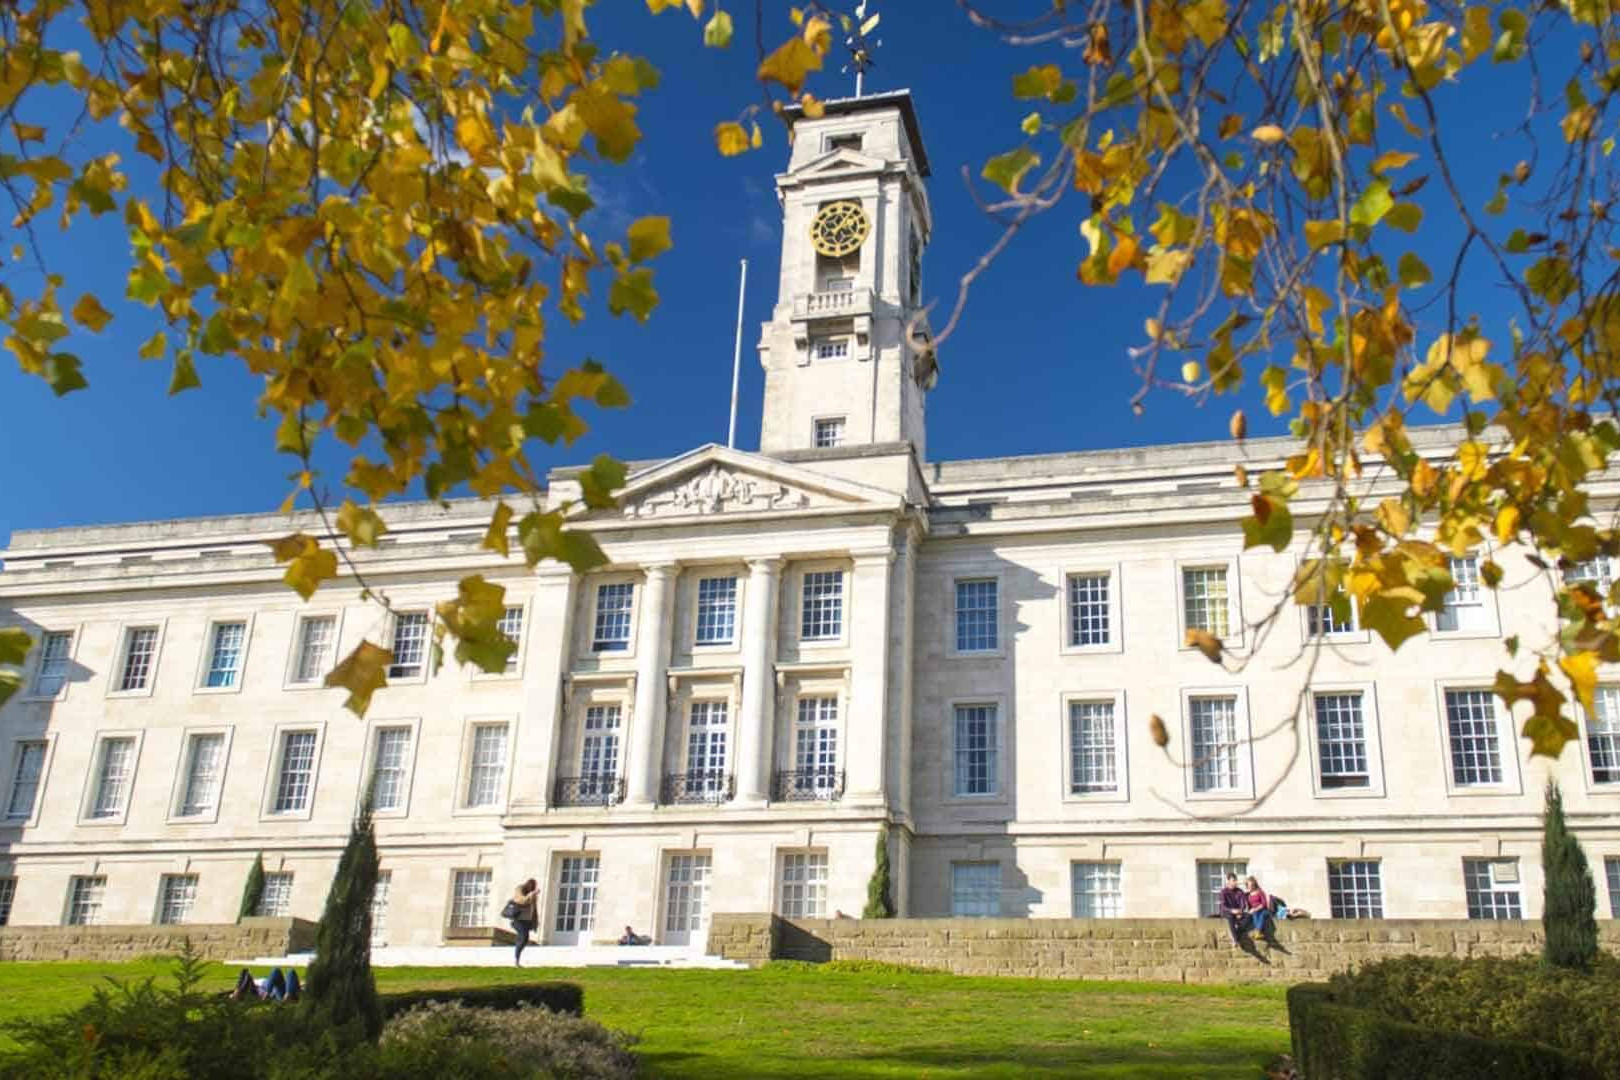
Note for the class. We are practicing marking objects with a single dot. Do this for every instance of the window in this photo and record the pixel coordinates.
(1464, 604)
(686, 893)
(316, 636)
(276, 899)
(823, 610)
(1096, 890)
(815, 744)
(225, 656)
(1597, 572)
(1355, 889)
(1611, 868)
(488, 768)
(1212, 879)
(140, 649)
(1476, 752)
(390, 758)
(976, 739)
(706, 746)
(612, 631)
(26, 775)
(975, 889)
(469, 898)
(510, 624)
(829, 432)
(84, 900)
(1603, 735)
(116, 763)
(410, 645)
(1089, 616)
(976, 616)
(849, 141)
(1341, 741)
(599, 752)
(177, 895)
(296, 773)
(717, 611)
(8, 892)
(1093, 748)
(205, 767)
(830, 348)
(576, 894)
(1492, 887)
(1321, 622)
(1214, 743)
(55, 653)
(379, 908)
(1204, 593)
(804, 885)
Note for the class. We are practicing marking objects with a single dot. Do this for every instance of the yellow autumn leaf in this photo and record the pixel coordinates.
(1581, 668)
(790, 63)
(1206, 643)
(89, 313)
(362, 673)
(1268, 134)
(1507, 524)
(730, 139)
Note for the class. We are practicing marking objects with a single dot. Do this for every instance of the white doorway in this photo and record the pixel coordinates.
(574, 915)
(686, 899)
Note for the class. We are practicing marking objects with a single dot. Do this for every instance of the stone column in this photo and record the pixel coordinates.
(548, 640)
(652, 660)
(867, 725)
(756, 727)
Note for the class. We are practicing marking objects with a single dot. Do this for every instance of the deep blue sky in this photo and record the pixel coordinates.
(1038, 365)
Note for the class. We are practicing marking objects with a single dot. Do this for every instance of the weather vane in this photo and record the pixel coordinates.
(855, 40)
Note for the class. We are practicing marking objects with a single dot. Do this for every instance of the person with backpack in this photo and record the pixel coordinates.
(521, 911)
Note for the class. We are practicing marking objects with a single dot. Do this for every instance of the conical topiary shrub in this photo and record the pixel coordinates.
(253, 891)
(340, 987)
(1569, 898)
(879, 904)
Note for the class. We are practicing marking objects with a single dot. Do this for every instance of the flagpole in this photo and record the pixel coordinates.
(736, 358)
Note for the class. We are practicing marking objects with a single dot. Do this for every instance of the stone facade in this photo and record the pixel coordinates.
(117, 944)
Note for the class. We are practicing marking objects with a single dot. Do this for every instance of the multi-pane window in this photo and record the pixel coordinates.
(612, 630)
(469, 898)
(1598, 573)
(8, 892)
(140, 649)
(379, 908)
(390, 756)
(976, 749)
(1603, 735)
(85, 895)
(1215, 756)
(1492, 888)
(296, 774)
(1212, 879)
(410, 645)
(1341, 740)
(55, 652)
(1089, 616)
(316, 635)
(822, 616)
(1204, 594)
(1096, 890)
(830, 348)
(1322, 622)
(1093, 748)
(976, 611)
(488, 767)
(117, 762)
(1611, 868)
(599, 752)
(716, 611)
(687, 893)
(576, 894)
(1464, 604)
(1355, 889)
(829, 432)
(205, 768)
(804, 885)
(177, 895)
(510, 624)
(975, 889)
(815, 743)
(706, 746)
(225, 655)
(1476, 751)
(26, 775)
(275, 901)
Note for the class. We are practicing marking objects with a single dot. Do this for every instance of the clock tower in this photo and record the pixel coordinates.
(847, 354)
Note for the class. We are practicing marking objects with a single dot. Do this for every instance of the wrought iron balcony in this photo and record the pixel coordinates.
(708, 786)
(808, 785)
(601, 790)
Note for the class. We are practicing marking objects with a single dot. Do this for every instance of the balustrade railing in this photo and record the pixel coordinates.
(602, 790)
(808, 785)
(707, 786)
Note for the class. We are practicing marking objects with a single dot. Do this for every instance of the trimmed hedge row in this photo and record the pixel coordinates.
(1334, 1041)
(559, 997)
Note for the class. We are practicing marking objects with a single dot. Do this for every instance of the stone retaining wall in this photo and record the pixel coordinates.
(1161, 950)
(115, 944)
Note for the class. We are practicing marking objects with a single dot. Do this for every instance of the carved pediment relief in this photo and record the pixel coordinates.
(716, 490)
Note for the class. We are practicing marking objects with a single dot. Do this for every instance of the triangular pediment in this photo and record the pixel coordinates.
(715, 480)
(841, 160)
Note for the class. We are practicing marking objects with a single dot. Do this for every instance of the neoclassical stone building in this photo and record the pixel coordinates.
(790, 650)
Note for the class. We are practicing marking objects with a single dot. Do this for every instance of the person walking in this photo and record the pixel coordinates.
(521, 910)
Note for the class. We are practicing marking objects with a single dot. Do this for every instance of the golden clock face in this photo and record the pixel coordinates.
(839, 229)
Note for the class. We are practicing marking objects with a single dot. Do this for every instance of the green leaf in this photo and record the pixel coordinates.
(1275, 530)
(154, 347)
(598, 482)
(1006, 170)
(633, 292)
(1404, 216)
(1414, 273)
(542, 537)
(362, 673)
(185, 373)
(1038, 82)
(10, 683)
(361, 524)
(14, 645)
(474, 618)
(648, 237)
(1374, 203)
(1031, 124)
(1320, 234)
(1388, 617)
(217, 336)
(64, 375)
(717, 33)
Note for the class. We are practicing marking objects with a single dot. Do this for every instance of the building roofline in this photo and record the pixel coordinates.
(889, 99)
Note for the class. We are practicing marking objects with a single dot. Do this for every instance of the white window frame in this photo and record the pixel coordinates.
(842, 439)
(800, 570)
(1245, 738)
(1373, 860)
(584, 894)
(413, 725)
(8, 896)
(1507, 739)
(1234, 599)
(739, 583)
(116, 675)
(779, 890)
(92, 780)
(100, 880)
(31, 693)
(292, 884)
(1074, 893)
(994, 895)
(593, 584)
(1490, 622)
(840, 347)
(998, 792)
(600, 699)
(335, 650)
(379, 908)
(13, 761)
(1496, 876)
(161, 910)
(1209, 900)
(205, 661)
(1594, 786)
(1371, 732)
(967, 576)
(469, 726)
(1116, 640)
(815, 690)
(1356, 635)
(182, 774)
(486, 919)
(420, 677)
(514, 663)
(1122, 772)
(1611, 875)
(272, 772)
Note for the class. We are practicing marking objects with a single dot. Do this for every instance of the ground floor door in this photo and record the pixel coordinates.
(574, 911)
(686, 899)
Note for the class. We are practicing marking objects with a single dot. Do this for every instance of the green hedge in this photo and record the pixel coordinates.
(1333, 1041)
(559, 997)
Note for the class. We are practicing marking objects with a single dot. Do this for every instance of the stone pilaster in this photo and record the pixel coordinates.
(652, 661)
(867, 723)
(757, 717)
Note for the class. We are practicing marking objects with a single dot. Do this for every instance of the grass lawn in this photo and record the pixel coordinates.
(795, 1021)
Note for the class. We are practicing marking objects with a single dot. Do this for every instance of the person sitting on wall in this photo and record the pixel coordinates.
(1259, 910)
(632, 938)
(1235, 907)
